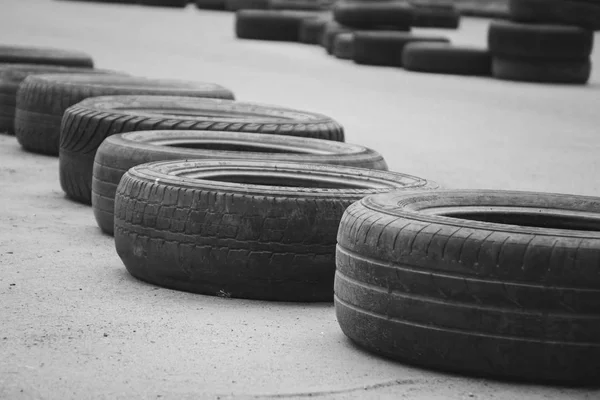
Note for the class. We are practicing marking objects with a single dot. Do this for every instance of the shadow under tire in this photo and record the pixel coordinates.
(488, 283)
(257, 230)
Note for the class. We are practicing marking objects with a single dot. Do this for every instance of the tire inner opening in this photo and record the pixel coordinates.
(242, 147)
(284, 180)
(534, 220)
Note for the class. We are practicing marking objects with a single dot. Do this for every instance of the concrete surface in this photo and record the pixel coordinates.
(75, 325)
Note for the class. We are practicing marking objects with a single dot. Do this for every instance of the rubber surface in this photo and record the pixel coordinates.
(211, 4)
(569, 12)
(228, 228)
(424, 279)
(312, 29)
(163, 3)
(537, 41)
(332, 29)
(446, 59)
(41, 55)
(363, 15)
(42, 100)
(343, 46)
(571, 72)
(235, 5)
(431, 17)
(280, 25)
(11, 76)
(301, 5)
(385, 48)
(106, 116)
(121, 152)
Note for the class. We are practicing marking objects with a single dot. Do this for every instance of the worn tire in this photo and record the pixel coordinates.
(11, 76)
(442, 58)
(430, 17)
(570, 72)
(343, 46)
(41, 55)
(332, 29)
(42, 100)
(235, 5)
(535, 41)
(385, 48)
(106, 116)
(375, 15)
(311, 30)
(257, 230)
(119, 153)
(424, 279)
(568, 12)
(271, 24)
(210, 4)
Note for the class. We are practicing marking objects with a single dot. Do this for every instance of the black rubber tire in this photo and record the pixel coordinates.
(464, 295)
(343, 46)
(210, 4)
(332, 29)
(477, 8)
(42, 100)
(164, 3)
(567, 12)
(570, 72)
(48, 56)
(11, 76)
(374, 15)
(443, 58)
(430, 17)
(271, 24)
(385, 48)
(545, 42)
(191, 226)
(106, 116)
(235, 5)
(311, 30)
(299, 5)
(119, 153)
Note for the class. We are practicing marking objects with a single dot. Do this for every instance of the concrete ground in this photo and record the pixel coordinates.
(74, 324)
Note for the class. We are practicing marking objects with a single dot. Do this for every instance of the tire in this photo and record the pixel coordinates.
(543, 42)
(311, 30)
(48, 56)
(42, 100)
(256, 230)
(106, 116)
(164, 3)
(11, 76)
(385, 48)
(425, 17)
(377, 15)
(442, 58)
(270, 24)
(570, 72)
(475, 8)
(299, 5)
(512, 297)
(235, 5)
(567, 12)
(119, 153)
(343, 46)
(332, 29)
(211, 4)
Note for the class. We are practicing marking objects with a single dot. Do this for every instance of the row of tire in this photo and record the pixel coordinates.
(377, 33)
(490, 283)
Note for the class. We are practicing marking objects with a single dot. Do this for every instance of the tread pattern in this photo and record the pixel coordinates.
(248, 243)
(115, 157)
(482, 301)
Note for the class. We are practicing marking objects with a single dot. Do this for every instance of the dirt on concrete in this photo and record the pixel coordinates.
(76, 325)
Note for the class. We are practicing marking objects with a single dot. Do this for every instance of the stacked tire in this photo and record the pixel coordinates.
(539, 50)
